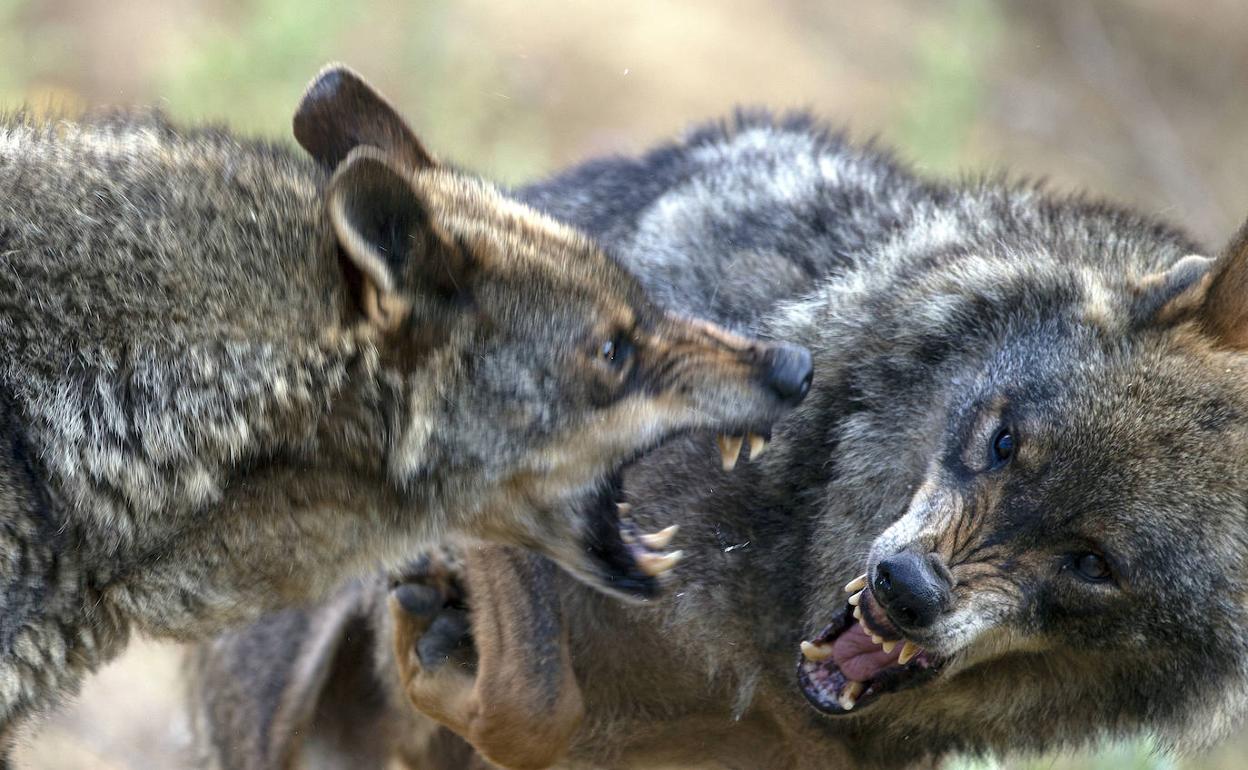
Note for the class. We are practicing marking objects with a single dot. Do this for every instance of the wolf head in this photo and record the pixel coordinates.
(1071, 556)
(550, 365)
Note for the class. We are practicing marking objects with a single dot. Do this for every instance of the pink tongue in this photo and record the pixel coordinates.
(859, 658)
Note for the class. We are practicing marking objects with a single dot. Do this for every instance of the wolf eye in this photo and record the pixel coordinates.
(616, 350)
(1092, 567)
(1002, 447)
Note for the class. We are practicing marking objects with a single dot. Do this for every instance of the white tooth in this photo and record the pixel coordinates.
(627, 536)
(856, 585)
(877, 639)
(660, 539)
(815, 651)
(850, 695)
(758, 445)
(623, 508)
(730, 450)
(654, 564)
(856, 598)
(889, 645)
(908, 651)
(858, 614)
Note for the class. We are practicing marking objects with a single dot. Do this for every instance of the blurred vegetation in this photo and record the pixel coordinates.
(1140, 755)
(243, 67)
(940, 109)
(1128, 98)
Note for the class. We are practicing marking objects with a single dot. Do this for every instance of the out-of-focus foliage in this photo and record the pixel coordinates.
(941, 106)
(1136, 99)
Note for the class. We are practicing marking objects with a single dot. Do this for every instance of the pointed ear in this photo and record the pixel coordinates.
(339, 112)
(1211, 293)
(1224, 312)
(390, 244)
(1173, 294)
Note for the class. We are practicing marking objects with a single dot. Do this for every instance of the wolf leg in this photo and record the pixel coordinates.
(504, 680)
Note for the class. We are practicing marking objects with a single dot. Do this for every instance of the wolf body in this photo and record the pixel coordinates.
(232, 375)
(1024, 455)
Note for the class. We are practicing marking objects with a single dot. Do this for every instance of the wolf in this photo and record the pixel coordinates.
(1011, 516)
(232, 374)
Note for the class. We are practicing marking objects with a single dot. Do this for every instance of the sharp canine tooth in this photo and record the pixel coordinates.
(856, 585)
(815, 652)
(654, 564)
(660, 539)
(908, 651)
(855, 598)
(730, 450)
(858, 614)
(889, 645)
(850, 695)
(758, 445)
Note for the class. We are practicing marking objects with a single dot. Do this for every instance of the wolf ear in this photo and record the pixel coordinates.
(1224, 312)
(1212, 293)
(1173, 294)
(339, 112)
(391, 245)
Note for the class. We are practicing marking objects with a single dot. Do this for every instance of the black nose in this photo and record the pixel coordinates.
(789, 372)
(912, 588)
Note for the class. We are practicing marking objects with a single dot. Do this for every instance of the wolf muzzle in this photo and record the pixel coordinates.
(913, 589)
(788, 372)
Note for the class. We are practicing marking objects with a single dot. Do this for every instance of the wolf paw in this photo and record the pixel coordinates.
(501, 675)
(429, 608)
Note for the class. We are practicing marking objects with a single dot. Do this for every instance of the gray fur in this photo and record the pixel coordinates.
(229, 379)
(932, 309)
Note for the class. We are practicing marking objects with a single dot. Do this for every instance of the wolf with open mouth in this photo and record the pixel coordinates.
(1028, 446)
(1025, 454)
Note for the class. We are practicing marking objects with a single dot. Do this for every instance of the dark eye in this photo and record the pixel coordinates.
(1092, 567)
(616, 350)
(1002, 447)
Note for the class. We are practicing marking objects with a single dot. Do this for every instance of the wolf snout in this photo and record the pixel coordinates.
(788, 371)
(912, 588)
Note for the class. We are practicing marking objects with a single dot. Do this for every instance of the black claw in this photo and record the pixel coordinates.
(418, 600)
(446, 634)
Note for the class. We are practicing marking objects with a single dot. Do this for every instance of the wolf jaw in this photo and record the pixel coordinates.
(640, 375)
(626, 562)
(860, 656)
(629, 563)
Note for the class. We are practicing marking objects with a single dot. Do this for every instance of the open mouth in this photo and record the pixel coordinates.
(730, 445)
(859, 657)
(627, 561)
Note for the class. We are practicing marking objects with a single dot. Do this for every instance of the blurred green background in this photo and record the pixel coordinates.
(1141, 100)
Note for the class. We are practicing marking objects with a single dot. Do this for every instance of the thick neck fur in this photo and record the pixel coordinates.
(252, 445)
(191, 398)
(230, 344)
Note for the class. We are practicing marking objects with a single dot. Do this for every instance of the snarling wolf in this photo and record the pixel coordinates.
(1025, 455)
(232, 375)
